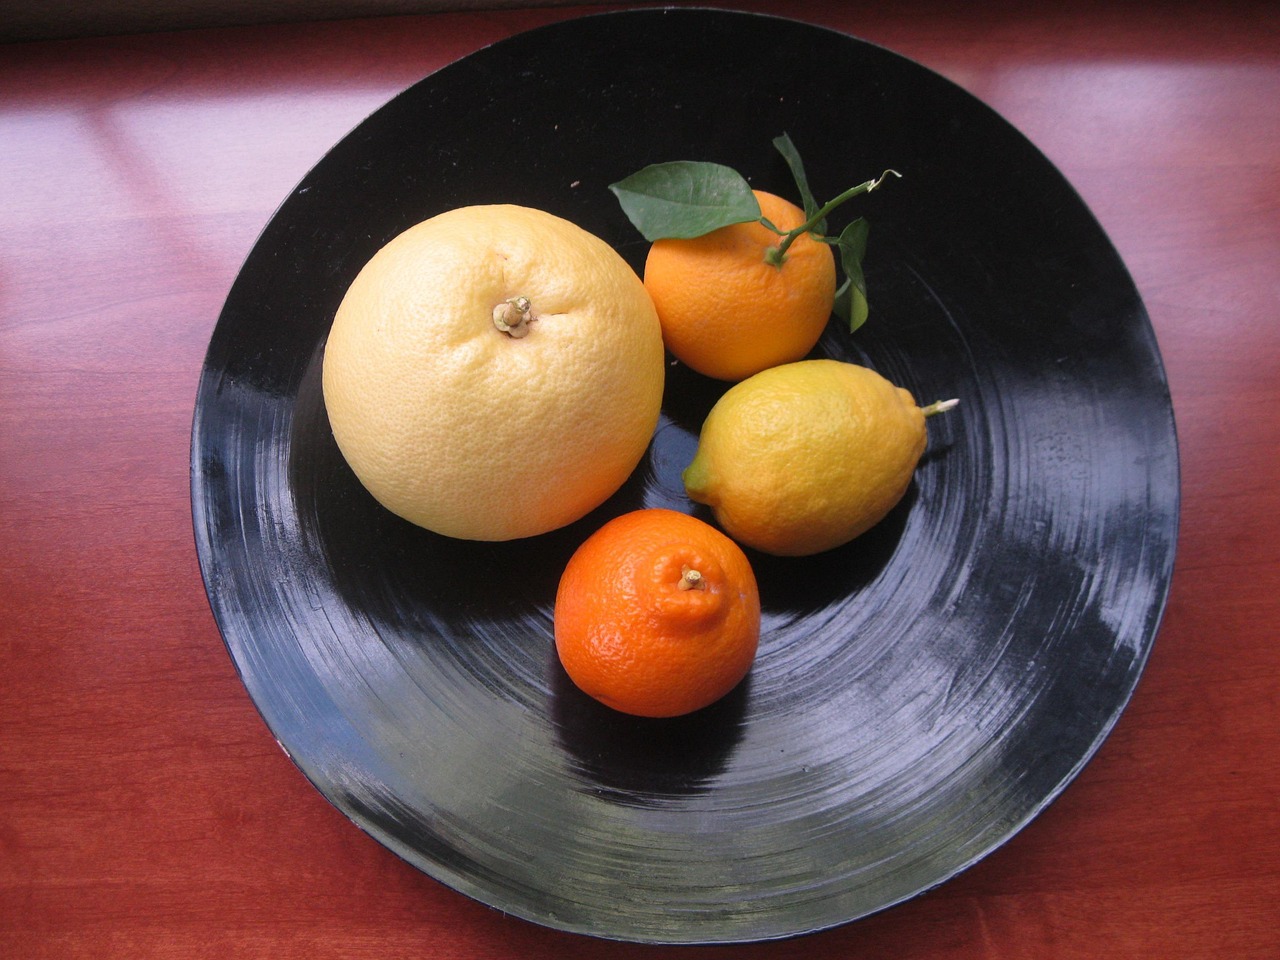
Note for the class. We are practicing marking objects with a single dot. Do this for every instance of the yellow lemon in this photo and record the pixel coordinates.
(494, 372)
(805, 456)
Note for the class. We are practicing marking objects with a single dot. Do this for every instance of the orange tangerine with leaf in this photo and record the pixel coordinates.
(743, 279)
(730, 306)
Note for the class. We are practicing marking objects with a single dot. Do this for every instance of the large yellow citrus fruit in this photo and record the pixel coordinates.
(806, 456)
(494, 372)
(728, 312)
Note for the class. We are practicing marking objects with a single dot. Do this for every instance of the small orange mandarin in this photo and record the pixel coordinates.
(657, 614)
(725, 310)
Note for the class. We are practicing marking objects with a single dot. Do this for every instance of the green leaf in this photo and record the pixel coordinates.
(792, 156)
(851, 298)
(685, 198)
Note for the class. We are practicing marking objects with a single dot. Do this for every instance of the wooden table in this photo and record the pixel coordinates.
(145, 810)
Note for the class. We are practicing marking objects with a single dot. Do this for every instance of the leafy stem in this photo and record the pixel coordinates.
(686, 199)
(775, 255)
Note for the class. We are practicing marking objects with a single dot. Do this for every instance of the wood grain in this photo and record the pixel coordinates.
(145, 810)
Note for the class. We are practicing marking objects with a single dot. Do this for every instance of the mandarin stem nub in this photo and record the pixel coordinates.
(691, 579)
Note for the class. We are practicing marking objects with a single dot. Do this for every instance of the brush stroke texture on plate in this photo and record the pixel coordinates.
(919, 695)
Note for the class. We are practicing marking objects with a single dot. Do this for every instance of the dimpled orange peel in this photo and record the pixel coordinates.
(657, 614)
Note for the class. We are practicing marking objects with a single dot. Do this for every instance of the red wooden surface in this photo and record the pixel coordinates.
(145, 811)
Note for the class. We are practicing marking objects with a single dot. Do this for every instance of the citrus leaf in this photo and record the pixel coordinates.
(685, 198)
(851, 298)
(789, 153)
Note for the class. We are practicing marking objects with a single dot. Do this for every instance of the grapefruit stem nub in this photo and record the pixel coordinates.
(513, 317)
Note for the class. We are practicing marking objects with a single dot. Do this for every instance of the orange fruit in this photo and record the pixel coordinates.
(657, 614)
(725, 310)
(494, 372)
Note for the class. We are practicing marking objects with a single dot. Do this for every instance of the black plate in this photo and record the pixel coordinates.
(920, 694)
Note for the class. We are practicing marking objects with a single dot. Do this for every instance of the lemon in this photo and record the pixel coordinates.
(805, 456)
(494, 372)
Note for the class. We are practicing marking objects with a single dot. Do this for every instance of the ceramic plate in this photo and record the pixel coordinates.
(920, 694)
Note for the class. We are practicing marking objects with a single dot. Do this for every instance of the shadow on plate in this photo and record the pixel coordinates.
(642, 761)
(385, 568)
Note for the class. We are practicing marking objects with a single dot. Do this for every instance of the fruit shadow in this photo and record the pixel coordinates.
(788, 585)
(797, 586)
(397, 575)
(641, 761)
